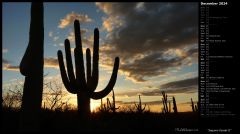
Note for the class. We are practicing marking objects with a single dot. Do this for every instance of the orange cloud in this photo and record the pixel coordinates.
(73, 16)
(9, 67)
(51, 62)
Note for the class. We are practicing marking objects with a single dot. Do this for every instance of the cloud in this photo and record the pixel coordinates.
(86, 41)
(181, 86)
(111, 23)
(4, 50)
(150, 38)
(55, 38)
(189, 85)
(51, 62)
(4, 61)
(7, 66)
(69, 19)
(50, 34)
(144, 102)
(61, 44)
(10, 67)
(188, 103)
(128, 93)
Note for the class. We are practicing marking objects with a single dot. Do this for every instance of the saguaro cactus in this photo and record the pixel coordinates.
(194, 107)
(31, 67)
(192, 104)
(139, 106)
(112, 105)
(174, 105)
(77, 84)
(165, 104)
(103, 108)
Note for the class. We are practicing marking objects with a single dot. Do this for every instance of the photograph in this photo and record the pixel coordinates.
(107, 67)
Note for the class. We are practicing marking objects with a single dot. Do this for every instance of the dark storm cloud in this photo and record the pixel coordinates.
(181, 86)
(141, 34)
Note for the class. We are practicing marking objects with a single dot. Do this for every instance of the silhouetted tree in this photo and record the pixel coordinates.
(77, 84)
(54, 96)
(12, 98)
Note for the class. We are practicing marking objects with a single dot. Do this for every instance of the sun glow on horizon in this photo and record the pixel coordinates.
(94, 105)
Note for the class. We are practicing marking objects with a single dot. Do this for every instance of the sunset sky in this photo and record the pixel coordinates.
(157, 44)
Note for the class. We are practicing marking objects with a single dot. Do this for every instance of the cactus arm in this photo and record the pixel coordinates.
(166, 102)
(136, 105)
(144, 107)
(65, 80)
(95, 72)
(109, 103)
(192, 105)
(140, 102)
(164, 107)
(69, 63)
(109, 87)
(88, 58)
(79, 62)
(113, 99)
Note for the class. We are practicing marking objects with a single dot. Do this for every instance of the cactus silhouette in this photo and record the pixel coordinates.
(31, 67)
(174, 105)
(103, 108)
(165, 101)
(194, 107)
(77, 84)
(138, 106)
(112, 105)
(192, 104)
(167, 104)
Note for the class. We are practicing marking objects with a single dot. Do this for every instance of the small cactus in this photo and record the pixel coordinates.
(165, 102)
(112, 105)
(139, 107)
(192, 104)
(194, 107)
(103, 108)
(174, 105)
